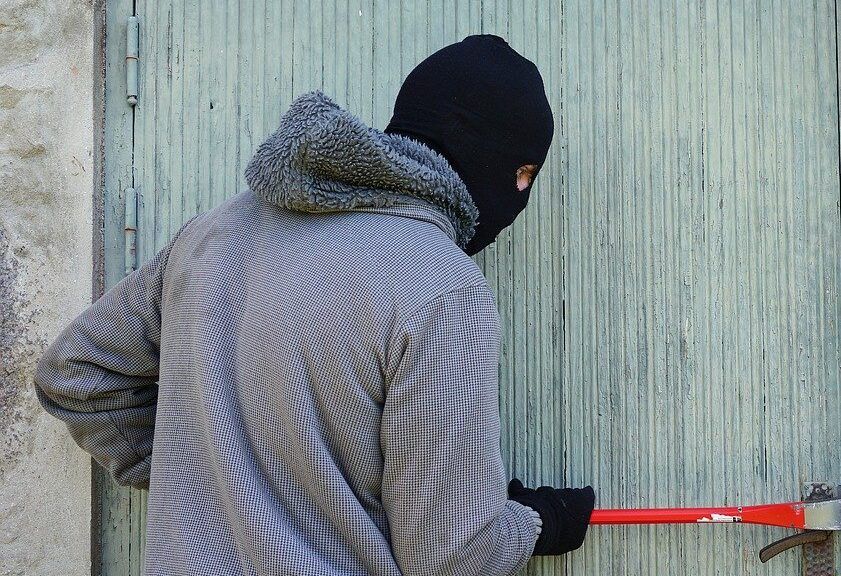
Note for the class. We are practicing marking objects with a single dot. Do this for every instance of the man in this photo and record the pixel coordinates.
(316, 358)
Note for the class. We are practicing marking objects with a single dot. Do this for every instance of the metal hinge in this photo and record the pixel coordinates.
(131, 230)
(132, 54)
(130, 194)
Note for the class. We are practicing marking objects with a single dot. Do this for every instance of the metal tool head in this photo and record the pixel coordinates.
(824, 515)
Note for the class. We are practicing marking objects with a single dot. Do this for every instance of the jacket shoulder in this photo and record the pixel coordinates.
(421, 263)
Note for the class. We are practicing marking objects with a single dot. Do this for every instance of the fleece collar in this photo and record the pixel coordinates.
(323, 158)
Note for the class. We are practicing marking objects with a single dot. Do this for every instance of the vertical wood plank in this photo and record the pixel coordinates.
(118, 542)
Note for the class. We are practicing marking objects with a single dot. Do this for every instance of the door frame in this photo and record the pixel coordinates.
(117, 512)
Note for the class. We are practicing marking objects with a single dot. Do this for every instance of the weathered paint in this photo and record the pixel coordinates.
(720, 518)
(118, 513)
(669, 297)
(700, 210)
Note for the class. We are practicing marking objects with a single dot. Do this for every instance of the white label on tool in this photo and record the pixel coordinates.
(720, 518)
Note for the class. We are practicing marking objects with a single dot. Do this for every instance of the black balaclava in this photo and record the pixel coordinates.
(481, 105)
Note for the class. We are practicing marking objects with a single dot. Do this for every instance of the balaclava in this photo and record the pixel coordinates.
(482, 106)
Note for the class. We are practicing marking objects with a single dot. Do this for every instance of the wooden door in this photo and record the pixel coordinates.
(670, 296)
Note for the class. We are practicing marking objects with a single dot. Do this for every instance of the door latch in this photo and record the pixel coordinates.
(818, 546)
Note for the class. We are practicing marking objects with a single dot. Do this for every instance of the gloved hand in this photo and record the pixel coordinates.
(565, 513)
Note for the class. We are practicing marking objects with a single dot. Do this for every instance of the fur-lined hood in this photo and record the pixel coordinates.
(323, 158)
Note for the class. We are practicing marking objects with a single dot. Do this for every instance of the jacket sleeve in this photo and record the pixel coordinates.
(444, 486)
(100, 374)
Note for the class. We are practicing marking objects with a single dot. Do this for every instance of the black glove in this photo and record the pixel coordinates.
(565, 513)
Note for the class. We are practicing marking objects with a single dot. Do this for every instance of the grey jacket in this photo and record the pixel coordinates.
(316, 360)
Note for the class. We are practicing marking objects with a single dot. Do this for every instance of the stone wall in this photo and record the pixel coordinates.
(46, 194)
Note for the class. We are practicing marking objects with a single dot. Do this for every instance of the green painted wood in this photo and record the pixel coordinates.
(670, 296)
(700, 276)
(118, 538)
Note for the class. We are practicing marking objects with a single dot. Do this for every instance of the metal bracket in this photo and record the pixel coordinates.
(818, 546)
(819, 556)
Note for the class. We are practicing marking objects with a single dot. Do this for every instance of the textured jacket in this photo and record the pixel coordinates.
(305, 377)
